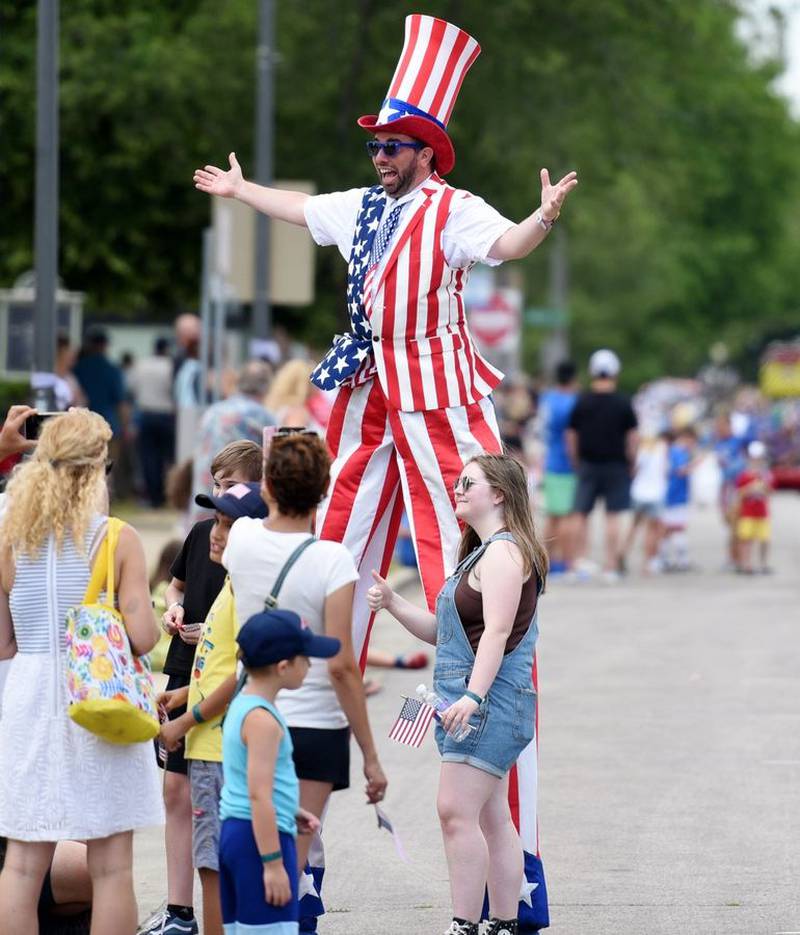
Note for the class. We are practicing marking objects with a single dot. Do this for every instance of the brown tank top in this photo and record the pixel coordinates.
(469, 604)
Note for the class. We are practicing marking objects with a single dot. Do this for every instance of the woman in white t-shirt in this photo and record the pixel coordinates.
(319, 587)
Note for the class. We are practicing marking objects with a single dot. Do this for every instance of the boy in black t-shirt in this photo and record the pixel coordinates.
(196, 581)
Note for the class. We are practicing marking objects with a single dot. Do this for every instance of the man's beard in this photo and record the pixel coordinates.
(401, 182)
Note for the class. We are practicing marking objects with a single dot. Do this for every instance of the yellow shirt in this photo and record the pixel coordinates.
(214, 661)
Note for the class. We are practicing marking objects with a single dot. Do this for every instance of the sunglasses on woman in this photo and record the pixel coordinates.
(466, 482)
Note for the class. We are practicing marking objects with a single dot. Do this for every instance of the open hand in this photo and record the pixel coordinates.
(553, 195)
(380, 595)
(215, 181)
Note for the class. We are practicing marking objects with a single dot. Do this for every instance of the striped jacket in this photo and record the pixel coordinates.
(424, 353)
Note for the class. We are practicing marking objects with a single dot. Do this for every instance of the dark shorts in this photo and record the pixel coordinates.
(176, 761)
(610, 483)
(241, 886)
(322, 755)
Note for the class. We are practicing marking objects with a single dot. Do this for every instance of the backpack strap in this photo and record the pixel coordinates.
(271, 600)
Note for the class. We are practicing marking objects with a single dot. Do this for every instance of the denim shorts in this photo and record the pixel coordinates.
(205, 777)
(504, 723)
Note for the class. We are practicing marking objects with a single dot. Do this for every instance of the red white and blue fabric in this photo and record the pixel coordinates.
(436, 55)
(351, 354)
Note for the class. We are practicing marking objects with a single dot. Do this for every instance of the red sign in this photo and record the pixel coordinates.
(496, 324)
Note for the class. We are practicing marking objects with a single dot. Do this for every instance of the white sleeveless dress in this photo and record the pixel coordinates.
(57, 780)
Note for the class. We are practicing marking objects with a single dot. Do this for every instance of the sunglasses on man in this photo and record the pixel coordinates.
(390, 147)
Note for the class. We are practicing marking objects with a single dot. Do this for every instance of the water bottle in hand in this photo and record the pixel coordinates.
(459, 732)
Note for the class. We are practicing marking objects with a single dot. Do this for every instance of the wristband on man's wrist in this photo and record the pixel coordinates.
(476, 698)
(269, 858)
(542, 221)
(197, 715)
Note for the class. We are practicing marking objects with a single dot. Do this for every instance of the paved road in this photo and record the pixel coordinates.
(669, 757)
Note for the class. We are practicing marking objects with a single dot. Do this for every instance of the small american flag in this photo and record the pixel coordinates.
(412, 724)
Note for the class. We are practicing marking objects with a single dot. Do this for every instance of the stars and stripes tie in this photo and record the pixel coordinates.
(384, 235)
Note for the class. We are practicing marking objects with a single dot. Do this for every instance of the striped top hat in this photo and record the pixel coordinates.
(436, 56)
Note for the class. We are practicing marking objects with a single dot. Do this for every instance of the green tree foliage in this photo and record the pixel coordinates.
(682, 231)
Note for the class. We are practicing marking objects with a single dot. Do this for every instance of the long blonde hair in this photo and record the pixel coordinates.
(57, 489)
(507, 475)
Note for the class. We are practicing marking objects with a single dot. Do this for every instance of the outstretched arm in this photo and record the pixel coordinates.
(518, 241)
(283, 205)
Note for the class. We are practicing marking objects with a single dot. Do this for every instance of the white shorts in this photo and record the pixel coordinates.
(676, 517)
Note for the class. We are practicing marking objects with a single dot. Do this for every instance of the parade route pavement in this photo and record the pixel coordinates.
(669, 762)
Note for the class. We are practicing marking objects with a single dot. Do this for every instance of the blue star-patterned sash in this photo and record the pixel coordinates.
(349, 351)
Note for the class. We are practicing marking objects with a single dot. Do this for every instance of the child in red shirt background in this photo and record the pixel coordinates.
(753, 486)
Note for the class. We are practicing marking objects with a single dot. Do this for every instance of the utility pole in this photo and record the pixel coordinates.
(46, 210)
(265, 58)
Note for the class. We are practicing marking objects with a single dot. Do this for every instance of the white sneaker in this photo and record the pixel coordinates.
(611, 577)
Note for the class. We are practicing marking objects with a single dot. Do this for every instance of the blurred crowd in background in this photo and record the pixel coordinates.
(691, 441)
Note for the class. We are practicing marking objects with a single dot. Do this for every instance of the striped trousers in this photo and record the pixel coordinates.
(386, 460)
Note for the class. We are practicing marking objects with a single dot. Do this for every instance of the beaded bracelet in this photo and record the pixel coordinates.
(268, 858)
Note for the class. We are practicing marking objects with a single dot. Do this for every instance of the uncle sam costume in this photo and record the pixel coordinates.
(413, 392)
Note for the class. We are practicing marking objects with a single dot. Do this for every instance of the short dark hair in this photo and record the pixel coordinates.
(565, 372)
(297, 472)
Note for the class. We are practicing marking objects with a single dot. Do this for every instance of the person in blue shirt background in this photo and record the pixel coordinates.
(732, 460)
(680, 463)
(555, 407)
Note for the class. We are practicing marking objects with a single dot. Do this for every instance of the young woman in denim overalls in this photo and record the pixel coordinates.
(489, 602)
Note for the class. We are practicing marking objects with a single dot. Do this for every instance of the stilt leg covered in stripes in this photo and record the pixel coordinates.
(387, 459)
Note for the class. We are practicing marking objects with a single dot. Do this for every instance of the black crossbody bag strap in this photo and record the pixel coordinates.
(271, 601)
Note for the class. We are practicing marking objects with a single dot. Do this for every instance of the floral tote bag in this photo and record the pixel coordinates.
(110, 690)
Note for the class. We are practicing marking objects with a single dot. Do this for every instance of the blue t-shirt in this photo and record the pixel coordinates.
(678, 484)
(235, 799)
(556, 406)
(730, 457)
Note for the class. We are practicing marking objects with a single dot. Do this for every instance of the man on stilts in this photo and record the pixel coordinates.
(414, 394)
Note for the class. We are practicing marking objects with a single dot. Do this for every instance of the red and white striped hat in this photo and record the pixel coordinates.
(436, 56)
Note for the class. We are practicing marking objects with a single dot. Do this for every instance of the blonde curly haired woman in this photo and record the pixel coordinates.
(60, 782)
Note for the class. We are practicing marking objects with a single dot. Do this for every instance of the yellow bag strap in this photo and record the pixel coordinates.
(103, 571)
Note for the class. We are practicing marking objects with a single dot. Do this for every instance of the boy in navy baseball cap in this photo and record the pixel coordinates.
(260, 804)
